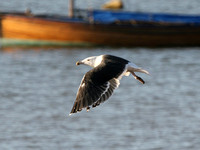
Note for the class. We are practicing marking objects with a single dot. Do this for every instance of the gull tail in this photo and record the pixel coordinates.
(141, 70)
(134, 68)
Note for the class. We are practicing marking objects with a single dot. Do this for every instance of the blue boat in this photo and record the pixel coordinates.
(101, 27)
(110, 17)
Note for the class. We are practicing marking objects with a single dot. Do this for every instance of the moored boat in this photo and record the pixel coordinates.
(103, 27)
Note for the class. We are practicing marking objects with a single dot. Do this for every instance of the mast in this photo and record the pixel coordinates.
(71, 8)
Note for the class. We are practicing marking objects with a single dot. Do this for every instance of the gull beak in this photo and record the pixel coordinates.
(78, 63)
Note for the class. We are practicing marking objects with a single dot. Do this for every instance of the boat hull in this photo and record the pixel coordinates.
(33, 28)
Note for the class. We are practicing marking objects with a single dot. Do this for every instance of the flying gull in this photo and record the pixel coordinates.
(99, 83)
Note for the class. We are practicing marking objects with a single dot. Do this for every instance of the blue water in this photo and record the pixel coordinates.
(38, 88)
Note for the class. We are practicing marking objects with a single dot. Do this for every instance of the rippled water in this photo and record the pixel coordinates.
(38, 88)
(61, 6)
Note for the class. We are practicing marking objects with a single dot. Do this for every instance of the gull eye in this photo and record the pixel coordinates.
(88, 60)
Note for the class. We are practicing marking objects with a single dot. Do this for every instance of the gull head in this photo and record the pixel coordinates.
(92, 61)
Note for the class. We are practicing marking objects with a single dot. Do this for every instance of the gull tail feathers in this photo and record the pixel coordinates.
(134, 68)
(141, 70)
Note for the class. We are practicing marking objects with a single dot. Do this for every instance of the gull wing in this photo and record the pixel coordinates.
(92, 94)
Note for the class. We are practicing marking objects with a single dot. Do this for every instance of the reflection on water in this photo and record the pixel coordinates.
(38, 89)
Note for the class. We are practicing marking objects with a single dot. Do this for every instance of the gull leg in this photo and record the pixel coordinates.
(137, 77)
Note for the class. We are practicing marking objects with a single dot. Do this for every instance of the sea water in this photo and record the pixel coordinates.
(38, 89)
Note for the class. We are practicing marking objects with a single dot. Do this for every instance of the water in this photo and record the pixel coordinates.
(38, 88)
(60, 6)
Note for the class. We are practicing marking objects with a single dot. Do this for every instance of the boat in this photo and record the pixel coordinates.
(100, 28)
